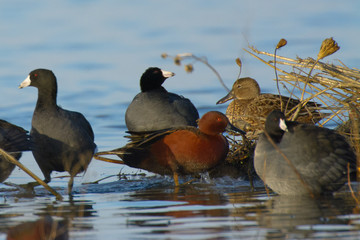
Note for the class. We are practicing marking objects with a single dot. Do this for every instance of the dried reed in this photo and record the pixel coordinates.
(337, 87)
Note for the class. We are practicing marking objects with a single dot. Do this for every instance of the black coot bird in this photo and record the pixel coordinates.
(154, 108)
(14, 140)
(62, 140)
(319, 155)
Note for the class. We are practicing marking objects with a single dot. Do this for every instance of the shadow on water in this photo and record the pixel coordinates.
(301, 217)
(191, 211)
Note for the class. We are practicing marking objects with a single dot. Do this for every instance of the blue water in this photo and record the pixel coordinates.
(98, 51)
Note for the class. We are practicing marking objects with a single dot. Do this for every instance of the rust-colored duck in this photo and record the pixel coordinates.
(178, 151)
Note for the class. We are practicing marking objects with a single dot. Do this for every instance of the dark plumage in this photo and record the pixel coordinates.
(62, 140)
(320, 156)
(154, 108)
(14, 140)
(249, 108)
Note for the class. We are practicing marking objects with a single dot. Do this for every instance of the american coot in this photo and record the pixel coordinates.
(319, 155)
(14, 140)
(178, 151)
(154, 108)
(62, 140)
(249, 108)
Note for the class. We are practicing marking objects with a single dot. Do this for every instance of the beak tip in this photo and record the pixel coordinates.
(228, 97)
(231, 127)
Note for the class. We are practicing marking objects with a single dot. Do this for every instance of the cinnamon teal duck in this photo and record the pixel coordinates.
(178, 151)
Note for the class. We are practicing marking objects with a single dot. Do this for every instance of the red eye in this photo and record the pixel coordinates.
(35, 74)
(220, 120)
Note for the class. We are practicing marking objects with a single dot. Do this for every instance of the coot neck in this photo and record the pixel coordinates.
(147, 84)
(275, 133)
(47, 98)
(148, 89)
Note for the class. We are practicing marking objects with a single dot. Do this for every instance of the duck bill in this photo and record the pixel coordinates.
(25, 83)
(228, 97)
(232, 128)
(167, 74)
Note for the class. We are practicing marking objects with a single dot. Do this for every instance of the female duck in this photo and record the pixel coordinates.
(249, 108)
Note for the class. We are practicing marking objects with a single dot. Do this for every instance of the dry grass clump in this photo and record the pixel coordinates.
(336, 87)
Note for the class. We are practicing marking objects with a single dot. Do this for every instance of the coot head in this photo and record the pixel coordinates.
(153, 78)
